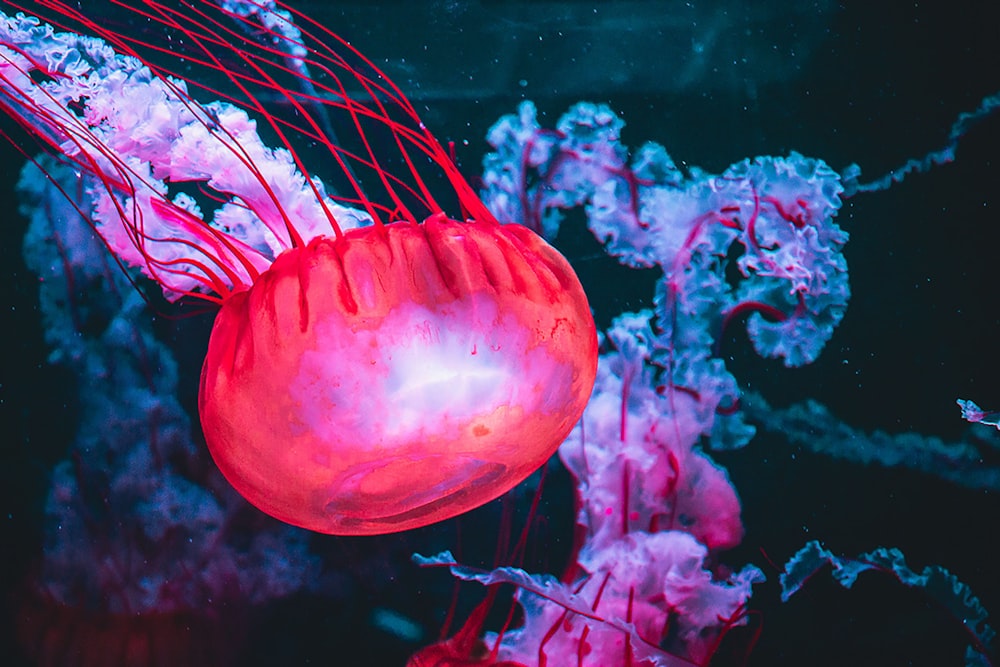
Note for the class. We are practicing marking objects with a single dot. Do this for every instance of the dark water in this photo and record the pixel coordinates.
(713, 83)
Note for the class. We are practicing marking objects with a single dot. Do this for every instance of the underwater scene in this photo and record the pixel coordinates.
(556, 333)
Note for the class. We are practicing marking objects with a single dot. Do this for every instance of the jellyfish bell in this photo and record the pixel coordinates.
(396, 376)
(375, 365)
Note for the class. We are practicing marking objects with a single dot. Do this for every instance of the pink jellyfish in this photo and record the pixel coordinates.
(375, 365)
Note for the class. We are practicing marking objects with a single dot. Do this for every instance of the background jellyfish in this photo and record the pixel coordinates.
(654, 510)
(872, 87)
(148, 557)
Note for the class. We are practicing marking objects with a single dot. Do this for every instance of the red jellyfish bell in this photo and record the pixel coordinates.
(398, 375)
(359, 380)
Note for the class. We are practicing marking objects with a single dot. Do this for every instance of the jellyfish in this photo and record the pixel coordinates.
(376, 363)
(147, 556)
